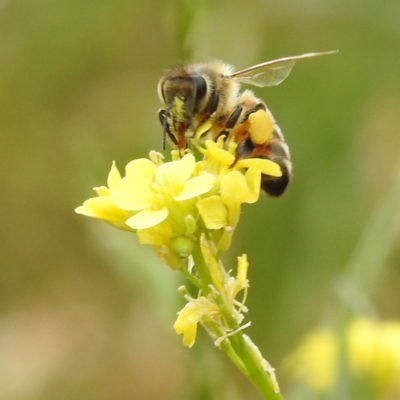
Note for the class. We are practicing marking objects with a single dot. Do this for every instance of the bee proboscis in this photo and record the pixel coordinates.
(202, 100)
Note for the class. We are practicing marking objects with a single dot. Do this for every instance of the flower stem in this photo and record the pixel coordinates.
(244, 357)
(256, 372)
(191, 278)
(202, 269)
(242, 352)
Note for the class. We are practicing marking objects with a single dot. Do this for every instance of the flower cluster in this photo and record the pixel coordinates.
(187, 210)
(169, 204)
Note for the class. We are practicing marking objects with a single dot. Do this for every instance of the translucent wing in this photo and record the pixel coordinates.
(272, 73)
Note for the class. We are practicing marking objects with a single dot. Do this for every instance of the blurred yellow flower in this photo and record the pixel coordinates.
(372, 350)
(314, 362)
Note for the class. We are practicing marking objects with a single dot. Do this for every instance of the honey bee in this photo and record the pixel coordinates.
(202, 101)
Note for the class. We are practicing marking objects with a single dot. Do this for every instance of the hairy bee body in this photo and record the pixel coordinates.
(202, 101)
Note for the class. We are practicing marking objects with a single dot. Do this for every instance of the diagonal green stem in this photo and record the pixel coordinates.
(235, 346)
(202, 269)
(256, 373)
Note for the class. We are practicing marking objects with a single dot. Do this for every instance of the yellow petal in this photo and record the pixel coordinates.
(234, 189)
(176, 173)
(168, 257)
(102, 191)
(225, 238)
(213, 212)
(147, 218)
(156, 157)
(142, 167)
(241, 278)
(253, 180)
(266, 167)
(190, 316)
(113, 177)
(186, 324)
(220, 155)
(103, 208)
(196, 186)
(133, 193)
(158, 235)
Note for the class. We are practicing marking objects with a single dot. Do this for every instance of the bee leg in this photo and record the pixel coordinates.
(212, 105)
(231, 122)
(277, 186)
(274, 186)
(162, 115)
(257, 107)
(245, 148)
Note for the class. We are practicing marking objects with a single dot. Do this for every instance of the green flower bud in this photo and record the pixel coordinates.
(182, 246)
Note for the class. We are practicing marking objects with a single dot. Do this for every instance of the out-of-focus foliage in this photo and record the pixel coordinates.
(91, 318)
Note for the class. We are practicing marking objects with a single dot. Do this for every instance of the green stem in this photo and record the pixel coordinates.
(190, 277)
(243, 356)
(236, 347)
(202, 269)
(256, 373)
(225, 346)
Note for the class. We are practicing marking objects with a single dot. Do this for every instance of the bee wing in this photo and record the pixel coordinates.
(272, 73)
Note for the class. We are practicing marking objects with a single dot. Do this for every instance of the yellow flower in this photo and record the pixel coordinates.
(236, 185)
(154, 192)
(155, 199)
(103, 207)
(314, 362)
(235, 285)
(190, 316)
(207, 309)
(180, 199)
(372, 350)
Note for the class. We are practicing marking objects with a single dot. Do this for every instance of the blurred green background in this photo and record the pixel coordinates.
(85, 312)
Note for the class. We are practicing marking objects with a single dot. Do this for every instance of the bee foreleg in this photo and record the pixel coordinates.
(162, 115)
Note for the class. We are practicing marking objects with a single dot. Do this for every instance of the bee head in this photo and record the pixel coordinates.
(182, 94)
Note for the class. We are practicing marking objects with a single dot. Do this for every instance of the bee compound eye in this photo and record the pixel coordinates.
(201, 87)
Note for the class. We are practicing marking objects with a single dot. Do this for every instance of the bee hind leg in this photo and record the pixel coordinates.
(231, 122)
(276, 186)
